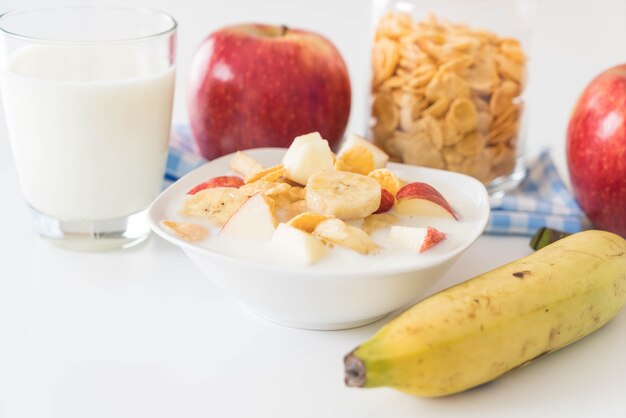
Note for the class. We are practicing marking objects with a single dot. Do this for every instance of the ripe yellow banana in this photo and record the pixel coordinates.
(474, 332)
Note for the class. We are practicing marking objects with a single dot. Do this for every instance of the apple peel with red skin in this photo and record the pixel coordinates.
(417, 238)
(423, 195)
(386, 201)
(221, 181)
(433, 237)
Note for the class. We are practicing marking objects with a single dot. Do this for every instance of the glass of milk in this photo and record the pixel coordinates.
(87, 96)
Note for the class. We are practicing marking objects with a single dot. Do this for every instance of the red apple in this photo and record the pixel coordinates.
(386, 201)
(596, 150)
(422, 199)
(260, 85)
(220, 181)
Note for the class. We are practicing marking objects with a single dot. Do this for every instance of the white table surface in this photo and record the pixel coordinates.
(142, 333)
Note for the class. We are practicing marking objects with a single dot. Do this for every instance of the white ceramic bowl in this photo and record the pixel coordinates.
(332, 296)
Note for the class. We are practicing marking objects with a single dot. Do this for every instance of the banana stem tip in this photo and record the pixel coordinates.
(354, 371)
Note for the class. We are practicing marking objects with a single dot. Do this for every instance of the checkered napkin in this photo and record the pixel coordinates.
(183, 156)
(541, 200)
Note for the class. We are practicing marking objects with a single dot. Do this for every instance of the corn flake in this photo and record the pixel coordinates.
(512, 49)
(510, 69)
(482, 77)
(187, 230)
(357, 159)
(438, 108)
(503, 96)
(471, 144)
(452, 99)
(448, 85)
(385, 114)
(394, 25)
(375, 222)
(462, 115)
(269, 174)
(386, 179)
(385, 57)
(307, 221)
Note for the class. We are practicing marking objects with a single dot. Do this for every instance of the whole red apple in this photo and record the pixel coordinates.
(260, 85)
(596, 150)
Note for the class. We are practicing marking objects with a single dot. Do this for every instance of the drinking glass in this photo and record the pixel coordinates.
(87, 95)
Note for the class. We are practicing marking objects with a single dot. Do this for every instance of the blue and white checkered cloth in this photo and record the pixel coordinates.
(183, 155)
(541, 200)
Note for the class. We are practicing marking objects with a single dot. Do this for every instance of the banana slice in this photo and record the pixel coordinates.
(338, 232)
(215, 205)
(341, 194)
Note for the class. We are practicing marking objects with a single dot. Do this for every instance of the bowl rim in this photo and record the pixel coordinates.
(305, 271)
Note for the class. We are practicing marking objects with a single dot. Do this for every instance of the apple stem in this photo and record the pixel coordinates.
(283, 29)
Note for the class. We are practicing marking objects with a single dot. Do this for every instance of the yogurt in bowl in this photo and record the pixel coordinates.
(345, 288)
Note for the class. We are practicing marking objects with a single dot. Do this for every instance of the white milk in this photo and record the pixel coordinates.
(344, 260)
(89, 128)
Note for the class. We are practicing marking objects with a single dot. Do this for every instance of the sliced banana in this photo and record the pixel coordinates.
(215, 205)
(341, 194)
(338, 232)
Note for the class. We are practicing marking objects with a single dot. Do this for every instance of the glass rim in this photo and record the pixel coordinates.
(172, 24)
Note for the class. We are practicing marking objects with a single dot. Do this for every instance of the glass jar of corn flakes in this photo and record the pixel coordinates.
(448, 85)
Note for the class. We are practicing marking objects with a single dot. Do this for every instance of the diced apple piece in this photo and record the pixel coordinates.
(245, 165)
(253, 220)
(380, 157)
(220, 181)
(421, 199)
(420, 239)
(307, 155)
(302, 245)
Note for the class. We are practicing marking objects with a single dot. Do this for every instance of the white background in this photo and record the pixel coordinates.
(142, 333)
